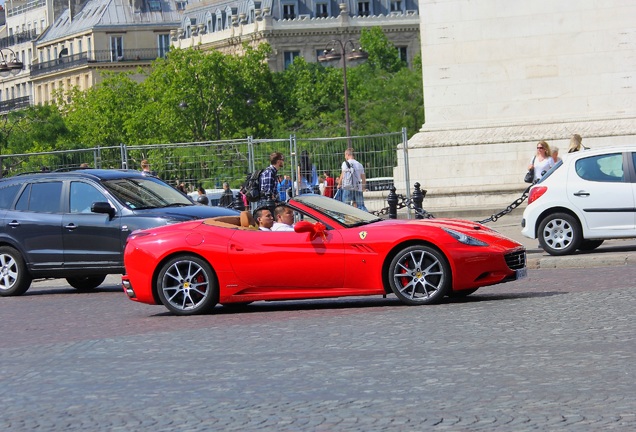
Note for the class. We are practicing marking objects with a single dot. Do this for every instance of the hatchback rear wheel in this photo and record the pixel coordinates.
(560, 234)
(15, 280)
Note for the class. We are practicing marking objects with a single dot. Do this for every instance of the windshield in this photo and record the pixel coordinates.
(145, 193)
(345, 214)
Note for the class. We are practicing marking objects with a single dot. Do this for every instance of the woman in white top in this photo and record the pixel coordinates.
(542, 161)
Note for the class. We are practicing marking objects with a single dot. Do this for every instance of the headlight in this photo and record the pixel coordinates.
(463, 238)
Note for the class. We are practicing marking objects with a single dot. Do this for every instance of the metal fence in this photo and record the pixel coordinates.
(209, 164)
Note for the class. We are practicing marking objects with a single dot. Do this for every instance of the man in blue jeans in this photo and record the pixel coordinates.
(353, 181)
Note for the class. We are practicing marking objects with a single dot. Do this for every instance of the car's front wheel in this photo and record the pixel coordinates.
(419, 275)
(15, 280)
(85, 283)
(560, 234)
(187, 286)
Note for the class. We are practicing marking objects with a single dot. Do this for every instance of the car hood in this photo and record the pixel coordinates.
(187, 212)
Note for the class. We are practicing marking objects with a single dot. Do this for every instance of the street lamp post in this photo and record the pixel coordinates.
(347, 51)
(9, 63)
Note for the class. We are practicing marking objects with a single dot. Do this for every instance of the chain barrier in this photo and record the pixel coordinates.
(404, 202)
(516, 203)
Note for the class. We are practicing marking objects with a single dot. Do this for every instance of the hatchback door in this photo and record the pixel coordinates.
(91, 240)
(599, 187)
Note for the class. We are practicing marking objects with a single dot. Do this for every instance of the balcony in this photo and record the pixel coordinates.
(23, 8)
(100, 56)
(14, 104)
(18, 38)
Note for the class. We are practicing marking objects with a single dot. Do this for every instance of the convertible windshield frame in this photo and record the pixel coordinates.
(340, 212)
(145, 193)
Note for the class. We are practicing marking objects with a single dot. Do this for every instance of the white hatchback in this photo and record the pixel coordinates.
(587, 198)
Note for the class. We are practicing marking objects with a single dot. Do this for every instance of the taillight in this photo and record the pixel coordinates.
(536, 192)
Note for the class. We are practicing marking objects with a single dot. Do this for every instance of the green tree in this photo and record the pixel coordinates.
(383, 55)
(34, 129)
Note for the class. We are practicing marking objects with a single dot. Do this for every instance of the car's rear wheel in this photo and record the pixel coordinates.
(15, 280)
(85, 283)
(559, 234)
(419, 275)
(187, 286)
(589, 245)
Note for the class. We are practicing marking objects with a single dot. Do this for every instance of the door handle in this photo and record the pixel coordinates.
(14, 224)
(236, 247)
(71, 226)
(581, 193)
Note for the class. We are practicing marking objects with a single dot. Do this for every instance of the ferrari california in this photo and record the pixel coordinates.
(335, 250)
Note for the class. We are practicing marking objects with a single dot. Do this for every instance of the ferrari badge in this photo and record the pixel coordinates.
(363, 235)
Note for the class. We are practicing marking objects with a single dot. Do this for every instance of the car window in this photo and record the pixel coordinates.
(7, 195)
(601, 168)
(83, 195)
(41, 197)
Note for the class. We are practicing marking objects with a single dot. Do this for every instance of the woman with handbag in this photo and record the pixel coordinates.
(542, 161)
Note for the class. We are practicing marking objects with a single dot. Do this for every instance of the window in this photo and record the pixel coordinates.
(396, 5)
(83, 196)
(322, 10)
(41, 197)
(289, 11)
(289, 57)
(7, 195)
(181, 5)
(402, 54)
(116, 48)
(79, 46)
(164, 44)
(603, 168)
(364, 8)
(154, 5)
(88, 48)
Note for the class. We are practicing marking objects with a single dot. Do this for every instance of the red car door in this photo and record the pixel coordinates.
(287, 259)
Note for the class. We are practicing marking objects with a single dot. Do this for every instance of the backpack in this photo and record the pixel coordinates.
(349, 179)
(253, 186)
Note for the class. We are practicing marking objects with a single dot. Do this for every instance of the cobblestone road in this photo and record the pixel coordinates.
(555, 351)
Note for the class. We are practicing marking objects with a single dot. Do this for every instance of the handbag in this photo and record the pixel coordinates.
(529, 178)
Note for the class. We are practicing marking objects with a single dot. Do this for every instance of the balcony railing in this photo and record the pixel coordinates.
(100, 56)
(14, 104)
(18, 9)
(18, 38)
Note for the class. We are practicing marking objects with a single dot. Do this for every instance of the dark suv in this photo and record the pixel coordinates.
(74, 225)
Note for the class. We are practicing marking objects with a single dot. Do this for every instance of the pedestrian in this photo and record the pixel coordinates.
(576, 143)
(284, 185)
(352, 180)
(202, 198)
(542, 161)
(555, 154)
(267, 180)
(145, 168)
(329, 183)
(227, 197)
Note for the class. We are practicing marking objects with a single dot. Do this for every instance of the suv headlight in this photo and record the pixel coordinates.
(463, 238)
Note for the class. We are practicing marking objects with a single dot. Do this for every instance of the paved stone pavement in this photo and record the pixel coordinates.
(552, 352)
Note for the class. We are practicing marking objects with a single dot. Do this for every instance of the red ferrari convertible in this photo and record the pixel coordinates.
(335, 250)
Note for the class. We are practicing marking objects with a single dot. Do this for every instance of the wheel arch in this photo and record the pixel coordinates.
(160, 264)
(552, 210)
(397, 248)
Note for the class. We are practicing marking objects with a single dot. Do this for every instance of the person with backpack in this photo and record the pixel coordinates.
(352, 180)
(268, 179)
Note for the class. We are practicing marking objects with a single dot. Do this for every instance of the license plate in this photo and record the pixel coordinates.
(521, 273)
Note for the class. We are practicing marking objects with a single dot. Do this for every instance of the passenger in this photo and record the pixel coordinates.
(202, 197)
(284, 219)
(264, 219)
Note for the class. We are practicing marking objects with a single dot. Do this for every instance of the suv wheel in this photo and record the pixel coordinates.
(560, 234)
(15, 280)
(86, 283)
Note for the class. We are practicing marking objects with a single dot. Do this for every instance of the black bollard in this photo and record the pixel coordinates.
(418, 198)
(392, 200)
(238, 204)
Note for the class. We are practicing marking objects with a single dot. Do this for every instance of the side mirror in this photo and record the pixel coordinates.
(303, 226)
(103, 207)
